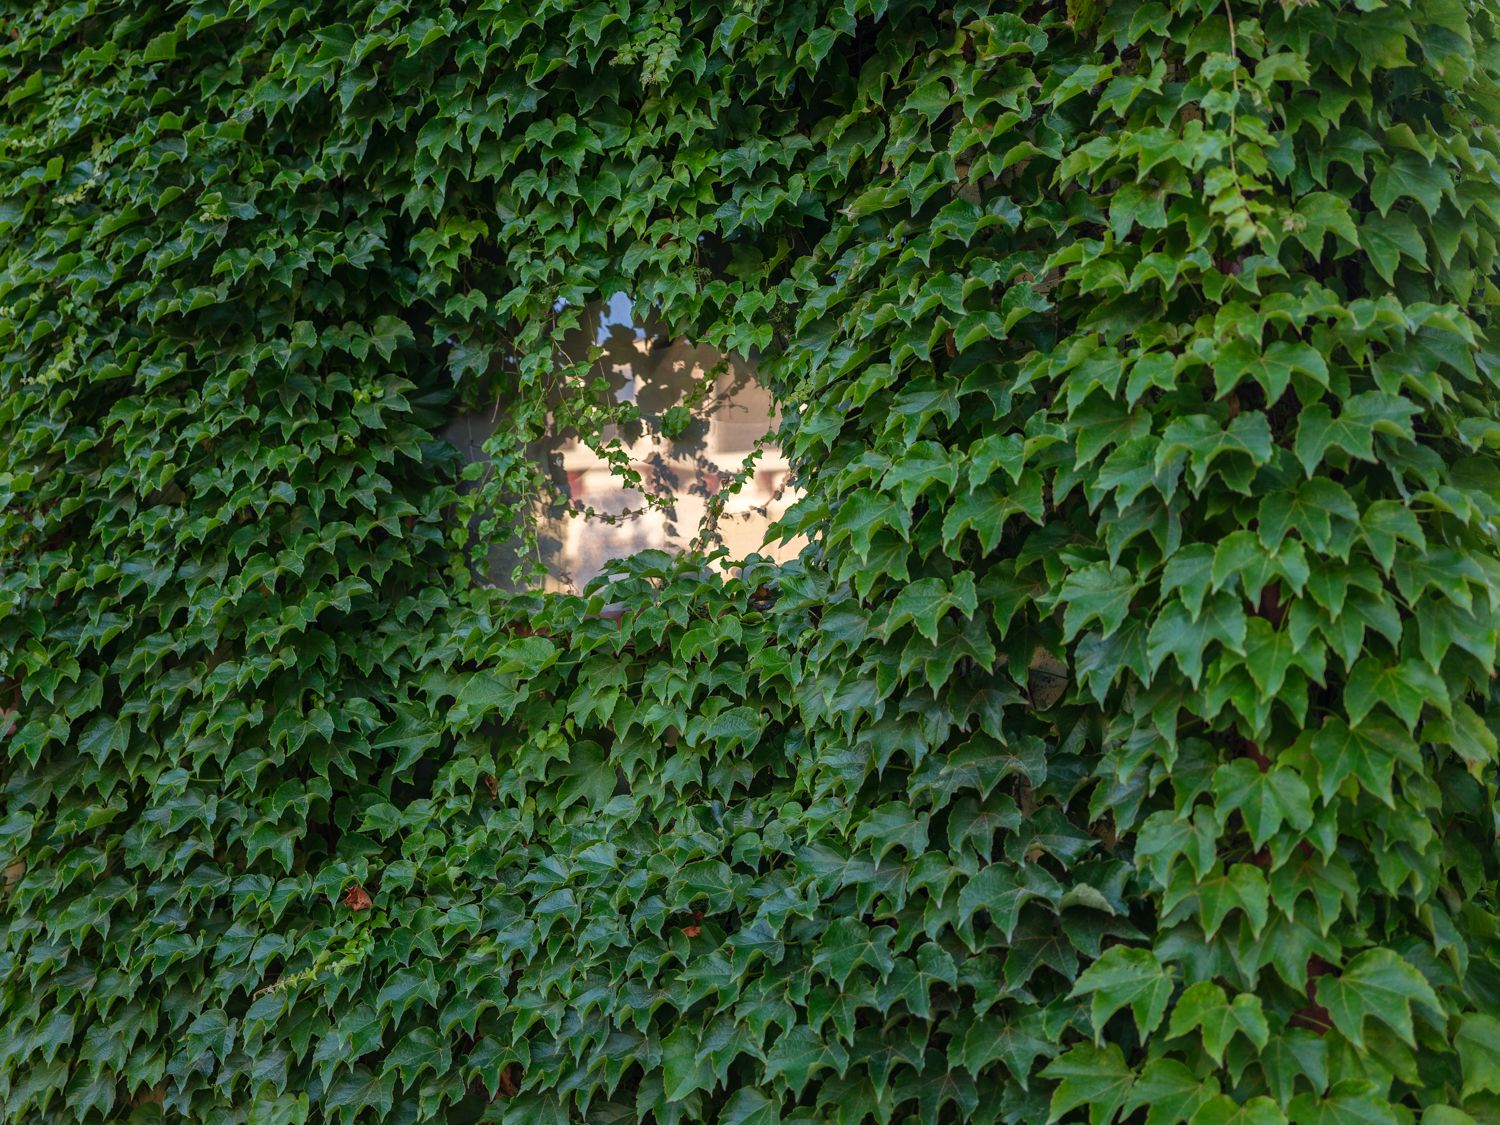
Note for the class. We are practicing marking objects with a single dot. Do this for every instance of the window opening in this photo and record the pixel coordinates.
(702, 417)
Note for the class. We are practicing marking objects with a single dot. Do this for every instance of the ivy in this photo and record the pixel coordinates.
(1122, 748)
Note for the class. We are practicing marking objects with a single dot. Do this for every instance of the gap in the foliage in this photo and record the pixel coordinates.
(703, 415)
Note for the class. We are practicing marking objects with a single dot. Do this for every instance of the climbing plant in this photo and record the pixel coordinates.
(1122, 748)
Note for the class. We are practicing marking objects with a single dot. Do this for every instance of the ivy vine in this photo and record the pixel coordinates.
(1122, 748)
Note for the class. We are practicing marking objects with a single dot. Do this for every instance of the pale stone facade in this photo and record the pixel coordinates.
(656, 373)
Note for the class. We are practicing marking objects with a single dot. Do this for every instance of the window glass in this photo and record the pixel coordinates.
(702, 415)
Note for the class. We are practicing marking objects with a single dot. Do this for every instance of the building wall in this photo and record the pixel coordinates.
(642, 365)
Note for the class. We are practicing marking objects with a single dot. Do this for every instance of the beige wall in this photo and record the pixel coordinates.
(644, 367)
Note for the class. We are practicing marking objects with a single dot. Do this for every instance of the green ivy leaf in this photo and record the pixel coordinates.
(1354, 430)
(1205, 1006)
(1016, 1041)
(1093, 1076)
(419, 1050)
(1478, 1043)
(1169, 1092)
(1099, 593)
(1408, 176)
(1379, 984)
(1126, 976)
(1368, 752)
(1350, 1101)
(1265, 799)
(750, 1107)
(1224, 1110)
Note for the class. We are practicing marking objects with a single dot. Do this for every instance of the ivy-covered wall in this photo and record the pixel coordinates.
(1123, 749)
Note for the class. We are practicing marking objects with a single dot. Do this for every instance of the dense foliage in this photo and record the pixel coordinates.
(1124, 747)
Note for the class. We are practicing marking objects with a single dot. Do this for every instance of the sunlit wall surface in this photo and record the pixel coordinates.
(690, 459)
